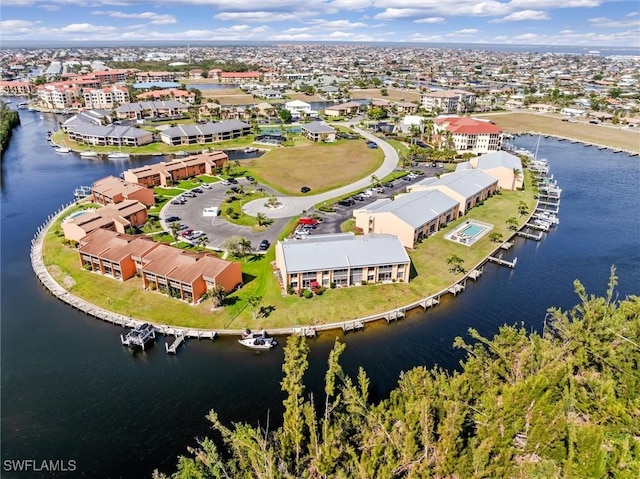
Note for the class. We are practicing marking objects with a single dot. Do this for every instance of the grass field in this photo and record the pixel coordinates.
(429, 261)
(320, 166)
(605, 135)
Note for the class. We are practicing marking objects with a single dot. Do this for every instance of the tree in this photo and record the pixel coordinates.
(285, 115)
(217, 295)
(263, 220)
(455, 262)
(560, 403)
(517, 173)
(523, 209)
(244, 246)
(254, 303)
(375, 181)
(495, 237)
(512, 223)
(202, 241)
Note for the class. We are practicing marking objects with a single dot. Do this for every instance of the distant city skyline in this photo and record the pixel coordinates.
(533, 22)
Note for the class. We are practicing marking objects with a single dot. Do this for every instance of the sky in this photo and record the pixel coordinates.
(534, 22)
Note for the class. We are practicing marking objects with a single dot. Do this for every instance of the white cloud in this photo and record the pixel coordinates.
(260, 16)
(430, 20)
(603, 22)
(153, 18)
(463, 33)
(338, 24)
(523, 15)
(396, 13)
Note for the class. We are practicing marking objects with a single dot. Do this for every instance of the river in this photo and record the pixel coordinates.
(70, 391)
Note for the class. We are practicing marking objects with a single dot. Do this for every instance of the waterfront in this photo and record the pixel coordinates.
(71, 391)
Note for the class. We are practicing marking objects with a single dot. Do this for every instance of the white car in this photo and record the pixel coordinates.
(225, 183)
(206, 186)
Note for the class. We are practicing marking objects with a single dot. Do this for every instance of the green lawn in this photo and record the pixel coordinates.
(168, 192)
(429, 262)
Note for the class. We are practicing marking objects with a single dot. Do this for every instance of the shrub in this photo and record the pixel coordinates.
(332, 285)
(307, 294)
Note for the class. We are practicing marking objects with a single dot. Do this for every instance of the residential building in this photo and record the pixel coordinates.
(183, 96)
(239, 77)
(448, 101)
(16, 88)
(83, 129)
(152, 109)
(107, 98)
(116, 217)
(165, 173)
(469, 134)
(467, 187)
(187, 275)
(318, 131)
(112, 190)
(144, 77)
(411, 216)
(59, 96)
(342, 259)
(343, 109)
(182, 274)
(201, 134)
(299, 108)
(507, 168)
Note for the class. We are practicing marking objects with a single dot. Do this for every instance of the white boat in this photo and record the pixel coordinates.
(62, 149)
(89, 154)
(181, 153)
(118, 155)
(257, 340)
(139, 336)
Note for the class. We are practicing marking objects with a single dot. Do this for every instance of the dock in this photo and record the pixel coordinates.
(173, 349)
(503, 262)
(531, 236)
(354, 325)
(475, 274)
(456, 289)
(395, 315)
(306, 331)
(506, 245)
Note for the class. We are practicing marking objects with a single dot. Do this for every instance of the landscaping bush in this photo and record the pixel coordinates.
(307, 294)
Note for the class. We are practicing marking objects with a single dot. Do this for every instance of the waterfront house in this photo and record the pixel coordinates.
(152, 109)
(239, 77)
(200, 134)
(342, 260)
(468, 187)
(410, 216)
(469, 134)
(183, 96)
(507, 168)
(448, 101)
(343, 109)
(186, 275)
(114, 254)
(106, 98)
(299, 108)
(318, 131)
(116, 217)
(165, 173)
(81, 128)
(112, 190)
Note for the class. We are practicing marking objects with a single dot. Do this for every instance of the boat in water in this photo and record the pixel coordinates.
(139, 337)
(89, 154)
(258, 341)
(62, 149)
(118, 155)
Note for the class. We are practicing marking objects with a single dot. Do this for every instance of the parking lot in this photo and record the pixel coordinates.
(216, 228)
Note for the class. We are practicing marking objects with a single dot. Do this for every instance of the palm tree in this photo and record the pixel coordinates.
(244, 246)
(516, 174)
(512, 223)
(374, 181)
(523, 209)
(217, 295)
(174, 227)
(263, 219)
(254, 304)
(455, 262)
(202, 241)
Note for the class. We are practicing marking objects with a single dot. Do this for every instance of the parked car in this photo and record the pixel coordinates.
(172, 219)
(388, 184)
(197, 190)
(264, 245)
(186, 233)
(196, 234)
(178, 201)
(250, 178)
(358, 198)
(233, 181)
(206, 186)
(372, 145)
(305, 189)
(308, 221)
(225, 182)
(347, 202)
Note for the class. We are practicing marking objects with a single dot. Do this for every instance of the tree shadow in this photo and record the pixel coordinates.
(230, 300)
(412, 271)
(265, 311)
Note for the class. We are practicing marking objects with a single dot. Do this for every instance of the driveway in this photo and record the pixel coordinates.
(294, 205)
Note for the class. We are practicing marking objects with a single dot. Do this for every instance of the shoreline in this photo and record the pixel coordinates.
(76, 302)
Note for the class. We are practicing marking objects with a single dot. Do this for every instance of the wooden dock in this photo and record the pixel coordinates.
(457, 289)
(394, 315)
(506, 245)
(475, 274)
(524, 234)
(306, 331)
(503, 262)
(173, 348)
(355, 325)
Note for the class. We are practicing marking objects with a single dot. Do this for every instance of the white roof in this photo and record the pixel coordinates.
(344, 250)
(466, 182)
(297, 103)
(499, 158)
(417, 208)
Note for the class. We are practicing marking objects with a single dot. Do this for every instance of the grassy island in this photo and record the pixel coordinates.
(430, 271)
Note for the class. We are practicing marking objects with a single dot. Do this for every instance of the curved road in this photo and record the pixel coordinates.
(295, 205)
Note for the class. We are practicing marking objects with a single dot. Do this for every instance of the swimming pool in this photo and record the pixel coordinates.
(472, 230)
(469, 232)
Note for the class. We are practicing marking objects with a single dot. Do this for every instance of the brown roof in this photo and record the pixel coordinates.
(182, 266)
(99, 241)
(106, 215)
(111, 186)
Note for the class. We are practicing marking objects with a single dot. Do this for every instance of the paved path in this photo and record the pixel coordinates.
(295, 205)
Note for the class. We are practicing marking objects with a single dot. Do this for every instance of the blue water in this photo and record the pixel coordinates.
(472, 230)
(71, 391)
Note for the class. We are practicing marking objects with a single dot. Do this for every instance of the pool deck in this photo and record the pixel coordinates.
(464, 240)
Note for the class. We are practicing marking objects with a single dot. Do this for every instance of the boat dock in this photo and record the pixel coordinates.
(355, 325)
(395, 315)
(306, 331)
(139, 336)
(531, 236)
(457, 288)
(173, 348)
(503, 262)
(475, 274)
